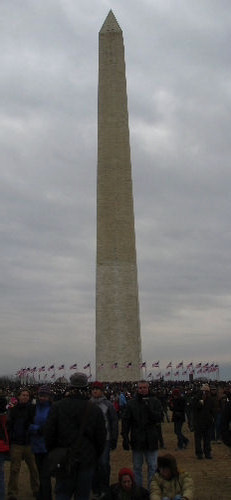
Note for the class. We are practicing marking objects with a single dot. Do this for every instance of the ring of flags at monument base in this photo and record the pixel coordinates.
(180, 369)
(189, 368)
(25, 372)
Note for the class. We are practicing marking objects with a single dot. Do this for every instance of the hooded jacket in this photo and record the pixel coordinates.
(181, 483)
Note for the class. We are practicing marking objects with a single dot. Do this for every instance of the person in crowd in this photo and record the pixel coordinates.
(203, 417)
(19, 419)
(188, 407)
(178, 417)
(79, 425)
(219, 396)
(101, 477)
(4, 442)
(122, 403)
(140, 430)
(37, 440)
(226, 424)
(169, 483)
(126, 488)
(162, 396)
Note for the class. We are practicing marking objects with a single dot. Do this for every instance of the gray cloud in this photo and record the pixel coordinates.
(178, 80)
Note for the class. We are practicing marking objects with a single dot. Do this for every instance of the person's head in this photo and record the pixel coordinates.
(176, 393)
(23, 396)
(126, 479)
(78, 382)
(205, 390)
(44, 394)
(97, 389)
(167, 466)
(143, 388)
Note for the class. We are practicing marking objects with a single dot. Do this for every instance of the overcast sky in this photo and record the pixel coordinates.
(178, 68)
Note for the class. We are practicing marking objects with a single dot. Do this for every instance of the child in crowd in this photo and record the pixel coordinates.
(169, 483)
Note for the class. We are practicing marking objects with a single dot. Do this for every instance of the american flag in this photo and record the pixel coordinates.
(176, 374)
(101, 366)
(190, 365)
(129, 365)
(179, 365)
(156, 364)
(51, 367)
(87, 366)
(167, 374)
(61, 367)
(42, 369)
(73, 367)
(169, 365)
(115, 365)
(198, 365)
(143, 365)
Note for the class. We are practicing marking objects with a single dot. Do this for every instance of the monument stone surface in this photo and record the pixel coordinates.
(118, 343)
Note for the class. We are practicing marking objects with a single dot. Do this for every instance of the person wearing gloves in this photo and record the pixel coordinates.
(37, 440)
(140, 430)
(169, 483)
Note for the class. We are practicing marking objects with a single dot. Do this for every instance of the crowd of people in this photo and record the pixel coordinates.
(69, 432)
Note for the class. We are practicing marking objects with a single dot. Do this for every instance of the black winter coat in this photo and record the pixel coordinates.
(178, 409)
(203, 412)
(226, 424)
(63, 425)
(140, 420)
(19, 419)
(115, 492)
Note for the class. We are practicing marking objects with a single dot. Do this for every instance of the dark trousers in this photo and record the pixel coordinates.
(78, 484)
(45, 490)
(181, 439)
(101, 479)
(202, 442)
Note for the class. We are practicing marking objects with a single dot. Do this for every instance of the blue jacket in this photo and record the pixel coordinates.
(36, 429)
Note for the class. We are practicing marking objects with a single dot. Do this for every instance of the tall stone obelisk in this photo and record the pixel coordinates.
(118, 344)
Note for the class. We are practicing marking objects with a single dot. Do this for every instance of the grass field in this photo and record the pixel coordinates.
(212, 478)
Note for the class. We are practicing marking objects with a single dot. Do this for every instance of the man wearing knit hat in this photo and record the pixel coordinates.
(101, 478)
(78, 425)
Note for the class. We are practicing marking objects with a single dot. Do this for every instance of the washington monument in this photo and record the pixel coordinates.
(118, 344)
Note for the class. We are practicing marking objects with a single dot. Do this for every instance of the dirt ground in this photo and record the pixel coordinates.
(212, 478)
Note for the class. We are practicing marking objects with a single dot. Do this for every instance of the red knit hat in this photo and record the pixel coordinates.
(176, 392)
(97, 385)
(125, 472)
